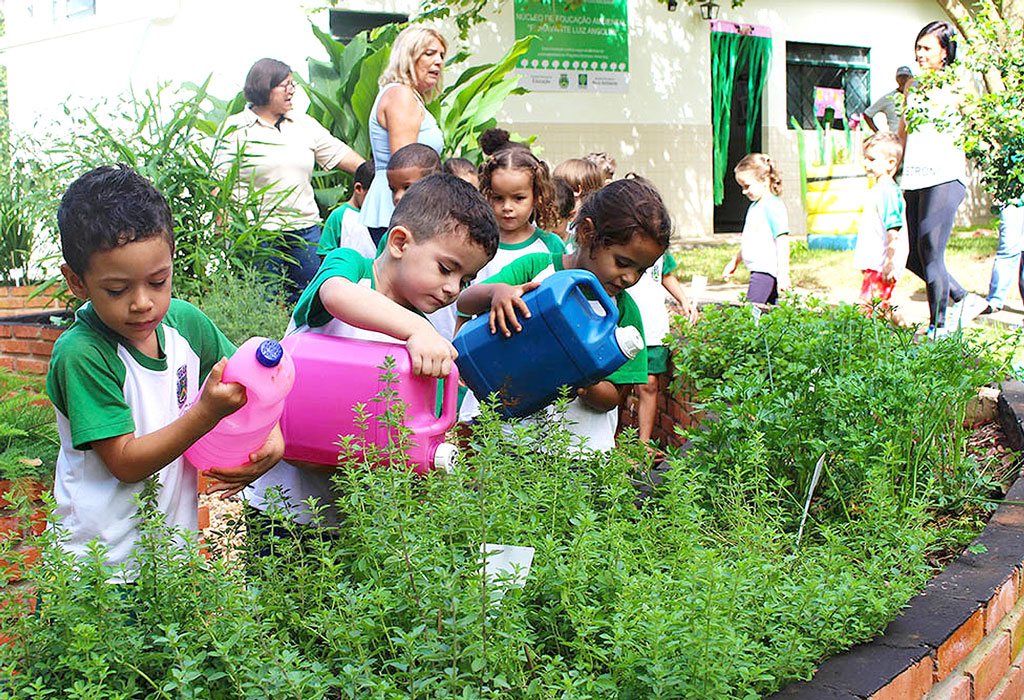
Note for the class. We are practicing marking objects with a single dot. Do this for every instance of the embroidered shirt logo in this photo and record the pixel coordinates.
(182, 385)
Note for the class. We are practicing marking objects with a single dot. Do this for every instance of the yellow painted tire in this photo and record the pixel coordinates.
(833, 223)
(833, 201)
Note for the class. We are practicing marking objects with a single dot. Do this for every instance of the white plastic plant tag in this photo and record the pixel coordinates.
(810, 495)
(505, 566)
(755, 311)
(698, 285)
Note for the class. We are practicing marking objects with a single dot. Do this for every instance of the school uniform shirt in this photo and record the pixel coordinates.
(650, 294)
(597, 428)
(766, 220)
(298, 485)
(539, 242)
(884, 210)
(343, 230)
(101, 387)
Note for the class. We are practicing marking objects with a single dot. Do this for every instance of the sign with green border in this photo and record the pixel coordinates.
(580, 46)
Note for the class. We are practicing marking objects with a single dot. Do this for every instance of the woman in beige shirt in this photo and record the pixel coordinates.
(280, 148)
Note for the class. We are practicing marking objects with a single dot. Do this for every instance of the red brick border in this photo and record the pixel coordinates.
(26, 341)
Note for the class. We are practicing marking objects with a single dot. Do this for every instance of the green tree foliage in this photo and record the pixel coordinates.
(990, 122)
(173, 139)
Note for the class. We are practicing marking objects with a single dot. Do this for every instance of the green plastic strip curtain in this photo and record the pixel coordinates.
(729, 52)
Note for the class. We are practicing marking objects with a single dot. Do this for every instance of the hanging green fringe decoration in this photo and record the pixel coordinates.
(727, 52)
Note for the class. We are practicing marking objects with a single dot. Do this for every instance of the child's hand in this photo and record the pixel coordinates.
(689, 310)
(888, 274)
(431, 354)
(220, 399)
(729, 270)
(503, 307)
(231, 481)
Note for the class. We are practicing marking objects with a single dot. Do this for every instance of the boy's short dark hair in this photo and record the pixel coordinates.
(440, 204)
(106, 208)
(364, 173)
(416, 155)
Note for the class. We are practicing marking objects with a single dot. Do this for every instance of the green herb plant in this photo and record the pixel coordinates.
(700, 592)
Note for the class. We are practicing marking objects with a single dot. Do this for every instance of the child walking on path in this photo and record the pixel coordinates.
(764, 247)
(649, 295)
(342, 229)
(125, 378)
(882, 243)
(622, 230)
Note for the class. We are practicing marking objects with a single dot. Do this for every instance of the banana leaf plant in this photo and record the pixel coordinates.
(342, 91)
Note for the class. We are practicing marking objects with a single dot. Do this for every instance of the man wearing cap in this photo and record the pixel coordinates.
(887, 102)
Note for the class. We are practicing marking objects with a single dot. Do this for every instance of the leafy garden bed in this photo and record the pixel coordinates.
(705, 591)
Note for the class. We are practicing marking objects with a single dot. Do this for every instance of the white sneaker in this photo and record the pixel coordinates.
(965, 310)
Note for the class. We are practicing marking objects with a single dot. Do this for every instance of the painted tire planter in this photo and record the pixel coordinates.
(834, 199)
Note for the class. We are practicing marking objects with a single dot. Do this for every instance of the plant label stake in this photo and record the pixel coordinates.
(505, 566)
(756, 312)
(698, 285)
(810, 495)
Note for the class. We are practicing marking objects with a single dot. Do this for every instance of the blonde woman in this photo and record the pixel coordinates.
(399, 115)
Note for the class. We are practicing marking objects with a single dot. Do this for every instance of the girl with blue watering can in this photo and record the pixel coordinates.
(621, 230)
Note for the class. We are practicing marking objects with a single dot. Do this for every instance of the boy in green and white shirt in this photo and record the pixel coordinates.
(342, 228)
(442, 232)
(125, 377)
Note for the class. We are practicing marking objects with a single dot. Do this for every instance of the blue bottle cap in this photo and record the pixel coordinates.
(269, 353)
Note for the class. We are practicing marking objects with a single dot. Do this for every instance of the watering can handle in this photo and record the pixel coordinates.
(600, 296)
(449, 402)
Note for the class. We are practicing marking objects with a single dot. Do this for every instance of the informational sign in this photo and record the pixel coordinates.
(580, 46)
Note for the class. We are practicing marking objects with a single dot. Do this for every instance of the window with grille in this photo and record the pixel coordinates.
(822, 65)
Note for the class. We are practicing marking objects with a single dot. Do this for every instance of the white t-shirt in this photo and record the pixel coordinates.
(766, 220)
(280, 160)
(883, 211)
(540, 241)
(299, 485)
(931, 156)
(103, 387)
(649, 294)
(343, 230)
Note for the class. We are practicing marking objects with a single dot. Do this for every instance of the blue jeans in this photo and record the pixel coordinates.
(300, 273)
(1008, 264)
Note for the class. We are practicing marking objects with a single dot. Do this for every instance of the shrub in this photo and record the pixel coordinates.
(165, 136)
(704, 592)
(244, 305)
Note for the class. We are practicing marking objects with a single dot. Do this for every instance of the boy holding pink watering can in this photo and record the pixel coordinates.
(442, 232)
(125, 378)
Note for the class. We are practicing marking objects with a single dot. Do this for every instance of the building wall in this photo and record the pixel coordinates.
(660, 128)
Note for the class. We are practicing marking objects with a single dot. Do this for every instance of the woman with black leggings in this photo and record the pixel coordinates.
(934, 177)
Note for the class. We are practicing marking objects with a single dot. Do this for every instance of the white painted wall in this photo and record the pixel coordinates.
(141, 42)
